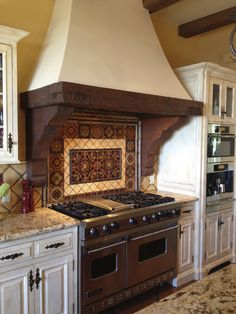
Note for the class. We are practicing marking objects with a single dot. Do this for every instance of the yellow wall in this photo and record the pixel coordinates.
(210, 46)
(32, 16)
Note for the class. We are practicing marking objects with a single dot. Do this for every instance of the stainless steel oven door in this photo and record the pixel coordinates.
(151, 254)
(102, 271)
(221, 142)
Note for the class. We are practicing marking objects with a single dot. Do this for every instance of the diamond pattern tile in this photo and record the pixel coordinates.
(92, 136)
(14, 174)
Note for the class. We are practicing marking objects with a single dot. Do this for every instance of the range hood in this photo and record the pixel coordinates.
(102, 56)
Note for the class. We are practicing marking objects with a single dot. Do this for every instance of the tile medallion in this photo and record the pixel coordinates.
(87, 171)
(92, 158)
(90, 165)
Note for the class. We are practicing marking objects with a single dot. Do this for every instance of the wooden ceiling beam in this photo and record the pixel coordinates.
(208, 23)
(155, 5)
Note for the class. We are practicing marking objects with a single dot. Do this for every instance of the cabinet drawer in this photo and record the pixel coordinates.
(186, 211)
(53, 244)
(16, 253)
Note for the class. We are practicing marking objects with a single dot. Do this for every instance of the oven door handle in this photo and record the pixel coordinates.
(153, 233)
(104, 247)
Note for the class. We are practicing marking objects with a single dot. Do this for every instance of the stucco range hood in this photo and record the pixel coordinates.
(102, 56)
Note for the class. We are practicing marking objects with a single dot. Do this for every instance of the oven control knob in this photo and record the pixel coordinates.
(146, 219)
(94, 232)
(133, 221)
(174, 212)
(159, 215)
(155, 217)
(114, 225)
(106, 228)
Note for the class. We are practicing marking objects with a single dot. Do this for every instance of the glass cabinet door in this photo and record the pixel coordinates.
(216, 99)
(2, 95)
(229, 101)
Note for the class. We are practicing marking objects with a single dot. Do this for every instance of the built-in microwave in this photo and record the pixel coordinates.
(221, 142)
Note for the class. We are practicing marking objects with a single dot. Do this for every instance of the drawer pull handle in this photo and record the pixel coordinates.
(38, 278)
(54, 245)
(11, 256)
(187, 211)
(31, 280)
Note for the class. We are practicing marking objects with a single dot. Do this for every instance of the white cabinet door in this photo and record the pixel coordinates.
(185, 246)
(54, 286)
(225, 236)
(16, 296)
(222, 100)
(215, 99)
(8, 93)
(212, 238)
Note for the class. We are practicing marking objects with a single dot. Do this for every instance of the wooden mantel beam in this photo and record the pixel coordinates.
(155, 5)
(208, 23)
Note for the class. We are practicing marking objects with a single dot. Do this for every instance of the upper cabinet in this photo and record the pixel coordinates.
(213, 84)
(222, 100)
(8, 93)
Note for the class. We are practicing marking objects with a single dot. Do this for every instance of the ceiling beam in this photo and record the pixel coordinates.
(155, 5)
(208, 23)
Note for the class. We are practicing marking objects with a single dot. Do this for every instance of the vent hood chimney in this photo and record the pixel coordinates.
(102, 55)
(109, 44)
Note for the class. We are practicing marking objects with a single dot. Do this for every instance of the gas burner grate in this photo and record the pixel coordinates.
(79, 210)
(139, 199)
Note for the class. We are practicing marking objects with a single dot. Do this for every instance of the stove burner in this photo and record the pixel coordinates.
(79, 210)
(139, 199)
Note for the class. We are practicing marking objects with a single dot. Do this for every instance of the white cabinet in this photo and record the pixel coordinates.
(219, 230)
(8, 94)
(222, 100)
(15, 294)
(31, 283)
(185, 247)
(54, 286)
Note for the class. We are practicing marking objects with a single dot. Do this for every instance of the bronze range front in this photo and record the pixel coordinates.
(127, 266)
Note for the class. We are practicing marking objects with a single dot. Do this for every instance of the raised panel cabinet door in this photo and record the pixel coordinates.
(185, 247)
(54, 286)
(212, 238)
(16, 296)
(226, 234)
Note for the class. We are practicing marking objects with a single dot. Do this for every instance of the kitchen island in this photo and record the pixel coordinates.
(215, 293)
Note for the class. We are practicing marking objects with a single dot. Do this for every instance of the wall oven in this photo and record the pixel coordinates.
(221, 142)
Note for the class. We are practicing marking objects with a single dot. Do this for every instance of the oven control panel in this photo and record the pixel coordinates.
(129, 223)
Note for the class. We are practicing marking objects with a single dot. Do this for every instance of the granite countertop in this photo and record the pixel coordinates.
(180, 198)
(215, 293)
(16, 225)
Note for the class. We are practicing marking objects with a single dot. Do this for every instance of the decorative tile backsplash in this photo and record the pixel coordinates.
(93, 157)
(92, 165)
(13, 175)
